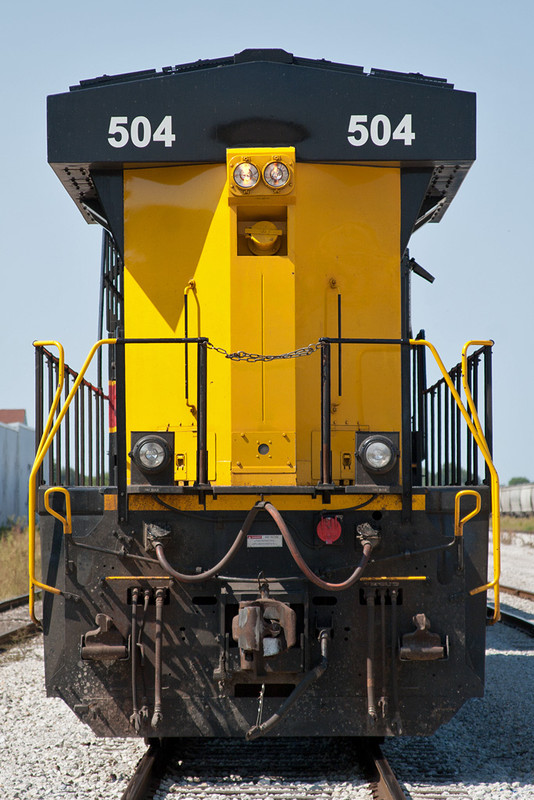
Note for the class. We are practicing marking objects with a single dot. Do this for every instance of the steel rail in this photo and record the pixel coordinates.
(523, 593)
(17, 634)
(384, 784)
(14, 602)
(24, 631)
(149, 769)
(515, 621)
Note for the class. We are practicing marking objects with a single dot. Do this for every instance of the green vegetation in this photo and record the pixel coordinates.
(517, 481)
(14, 560)
(517, 524)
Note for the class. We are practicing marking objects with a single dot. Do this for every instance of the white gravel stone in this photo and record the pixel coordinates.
(517, 560)
(46, 752)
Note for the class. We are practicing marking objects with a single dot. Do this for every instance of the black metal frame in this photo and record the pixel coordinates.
(447, 448)
(111, 310)
(326, 380)
(433, 433)
(406, 437)
(79, 446)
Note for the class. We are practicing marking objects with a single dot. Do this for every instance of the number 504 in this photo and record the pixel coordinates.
(139, 132)
(379, 130)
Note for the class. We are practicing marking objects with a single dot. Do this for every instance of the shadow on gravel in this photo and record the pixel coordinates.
(297, 768)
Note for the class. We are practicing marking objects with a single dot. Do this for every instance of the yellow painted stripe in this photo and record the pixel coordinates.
(239, 502)
(397, 578)
(138, 578)
(110, 502)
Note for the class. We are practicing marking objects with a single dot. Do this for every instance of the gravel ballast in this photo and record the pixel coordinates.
(45, 751)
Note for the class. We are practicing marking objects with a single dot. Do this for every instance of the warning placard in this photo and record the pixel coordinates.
(264, 540)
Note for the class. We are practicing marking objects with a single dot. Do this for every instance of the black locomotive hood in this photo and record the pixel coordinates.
(330, 113)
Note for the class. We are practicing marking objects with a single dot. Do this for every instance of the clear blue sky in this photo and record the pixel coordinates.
(481, 253)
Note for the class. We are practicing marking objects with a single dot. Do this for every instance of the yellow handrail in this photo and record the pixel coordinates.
(50, 429)
(66, 520)
(495, 494)
(459, 523)
(476, 431)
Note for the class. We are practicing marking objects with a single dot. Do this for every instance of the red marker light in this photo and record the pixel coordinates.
(329, 529)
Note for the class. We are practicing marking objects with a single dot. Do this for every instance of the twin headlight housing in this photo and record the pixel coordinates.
(275, 175)
(260, 172)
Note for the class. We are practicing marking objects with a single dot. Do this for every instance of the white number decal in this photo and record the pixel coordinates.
(163, 132)
(116, 125)
(379, 130)
(357, 125)
(139, 132)
(404, 130)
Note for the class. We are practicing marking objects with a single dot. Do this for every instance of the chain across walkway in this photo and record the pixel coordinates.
(241, 355)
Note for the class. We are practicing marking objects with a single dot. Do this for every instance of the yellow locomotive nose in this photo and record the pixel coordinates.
(263, 238)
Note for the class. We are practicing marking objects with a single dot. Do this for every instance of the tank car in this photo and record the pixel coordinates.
(280, 529)
(517, 500)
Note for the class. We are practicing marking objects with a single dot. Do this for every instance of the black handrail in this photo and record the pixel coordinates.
(76, 455)
(436, 432)
(450, 453)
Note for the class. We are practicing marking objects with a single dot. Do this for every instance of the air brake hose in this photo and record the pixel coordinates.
(367, 545)
(260, 730)
(209, 573)
(293, 549)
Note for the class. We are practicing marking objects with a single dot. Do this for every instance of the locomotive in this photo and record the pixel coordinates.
(280, 529)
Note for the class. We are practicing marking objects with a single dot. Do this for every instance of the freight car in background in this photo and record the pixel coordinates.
(272, 546)
(518, 500)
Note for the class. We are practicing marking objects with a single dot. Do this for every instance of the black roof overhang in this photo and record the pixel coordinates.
(264, 98)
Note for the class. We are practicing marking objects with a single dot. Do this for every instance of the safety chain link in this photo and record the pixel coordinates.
(240, 355)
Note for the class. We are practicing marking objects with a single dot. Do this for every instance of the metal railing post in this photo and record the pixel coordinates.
(326, 445)
(122, 444)
(39, 418)
(202, 436)
(488, 407)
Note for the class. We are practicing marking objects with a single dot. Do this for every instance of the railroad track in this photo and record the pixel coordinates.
(13, 627)
(516, 620)
(14, 602)
(278, 769)
(523, 593)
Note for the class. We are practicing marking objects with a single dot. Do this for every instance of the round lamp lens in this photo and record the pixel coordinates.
(276, 174)
(152, 455)
(246, 175)
(378, 455)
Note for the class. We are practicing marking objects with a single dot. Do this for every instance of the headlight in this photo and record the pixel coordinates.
(246, 175)
(377, 453)
(276, 174)
(151, 454)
